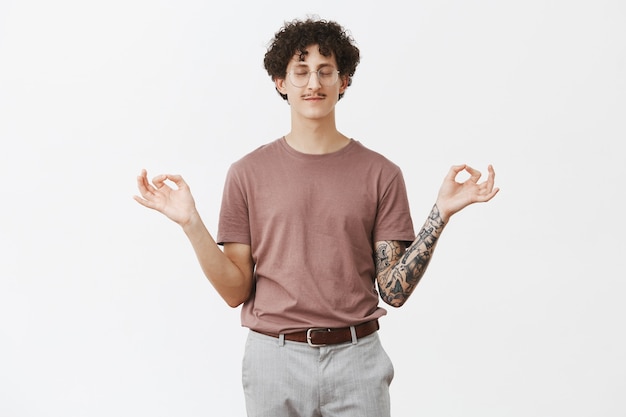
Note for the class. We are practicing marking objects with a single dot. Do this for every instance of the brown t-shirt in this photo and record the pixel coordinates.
(311, 222)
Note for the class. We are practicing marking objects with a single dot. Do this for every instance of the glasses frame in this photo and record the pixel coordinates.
(336, 73)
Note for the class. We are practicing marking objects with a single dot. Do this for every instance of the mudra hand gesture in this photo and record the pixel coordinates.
(176, 203)
(454, 196)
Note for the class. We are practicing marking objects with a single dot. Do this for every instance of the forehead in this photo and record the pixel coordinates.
(312, 58)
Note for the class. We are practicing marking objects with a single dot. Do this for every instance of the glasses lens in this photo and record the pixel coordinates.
(326, 77)
(299, 77)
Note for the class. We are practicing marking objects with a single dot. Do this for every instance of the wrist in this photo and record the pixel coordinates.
(442, 212)
(191, 221)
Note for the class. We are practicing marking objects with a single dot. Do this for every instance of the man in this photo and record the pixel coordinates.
(314, 227)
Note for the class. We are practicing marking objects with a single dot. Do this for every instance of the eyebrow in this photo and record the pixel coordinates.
(304, 65)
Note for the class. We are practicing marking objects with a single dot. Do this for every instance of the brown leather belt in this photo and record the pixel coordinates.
(321, 336)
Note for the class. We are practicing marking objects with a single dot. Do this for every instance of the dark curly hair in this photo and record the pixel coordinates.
(295, 36)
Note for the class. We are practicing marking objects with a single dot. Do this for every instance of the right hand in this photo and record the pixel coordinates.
(177, 204)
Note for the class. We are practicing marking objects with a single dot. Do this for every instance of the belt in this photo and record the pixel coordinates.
(322, 336)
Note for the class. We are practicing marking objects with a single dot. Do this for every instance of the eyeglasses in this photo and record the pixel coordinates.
(326, 76)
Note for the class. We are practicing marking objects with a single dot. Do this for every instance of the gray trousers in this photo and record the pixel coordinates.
(292, 379)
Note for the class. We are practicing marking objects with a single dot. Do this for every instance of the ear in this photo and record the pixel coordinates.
(344, 84)
(280, 85)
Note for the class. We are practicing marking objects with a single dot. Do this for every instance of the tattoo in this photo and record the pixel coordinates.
(398, 271)
(382, 259)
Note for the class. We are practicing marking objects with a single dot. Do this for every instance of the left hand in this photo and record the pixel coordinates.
(454, 196)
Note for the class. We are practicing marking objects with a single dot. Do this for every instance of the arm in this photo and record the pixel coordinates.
(399, 269)
(229, 271)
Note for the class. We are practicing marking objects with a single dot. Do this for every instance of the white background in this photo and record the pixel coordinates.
(103, 308)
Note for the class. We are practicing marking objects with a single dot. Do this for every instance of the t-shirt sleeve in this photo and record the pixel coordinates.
(393, 220)
(234, 221)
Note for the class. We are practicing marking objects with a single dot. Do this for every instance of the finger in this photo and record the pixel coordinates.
(474, 174)
(144, 175)
(159, 180)
(141, 201)
(491, 179)
(489, 196)
(487, 186)
(145, 202)
(178, 180)
(487, 189)
(454, 171)
(143, 184)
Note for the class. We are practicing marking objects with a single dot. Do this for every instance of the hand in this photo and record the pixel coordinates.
(177, 204)
(454, 196)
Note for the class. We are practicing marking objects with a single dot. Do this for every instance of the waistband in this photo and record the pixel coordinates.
(322, 336)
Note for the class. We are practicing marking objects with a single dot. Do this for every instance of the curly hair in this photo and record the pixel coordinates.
(295, 36)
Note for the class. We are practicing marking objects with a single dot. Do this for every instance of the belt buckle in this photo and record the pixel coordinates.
(309, 333)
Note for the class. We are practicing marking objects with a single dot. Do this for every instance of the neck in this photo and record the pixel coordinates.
(316, 136)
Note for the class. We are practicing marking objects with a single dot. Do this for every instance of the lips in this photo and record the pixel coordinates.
(314, 98)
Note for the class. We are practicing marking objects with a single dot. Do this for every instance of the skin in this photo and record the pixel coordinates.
(398, 268)
(313, 127)
(313, 130)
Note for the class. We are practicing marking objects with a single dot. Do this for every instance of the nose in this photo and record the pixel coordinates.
(314, 81)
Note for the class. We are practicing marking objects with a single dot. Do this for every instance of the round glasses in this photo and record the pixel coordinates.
(327, 77)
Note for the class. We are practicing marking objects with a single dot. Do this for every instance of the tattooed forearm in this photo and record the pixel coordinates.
(386, 252)
(398, 271)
